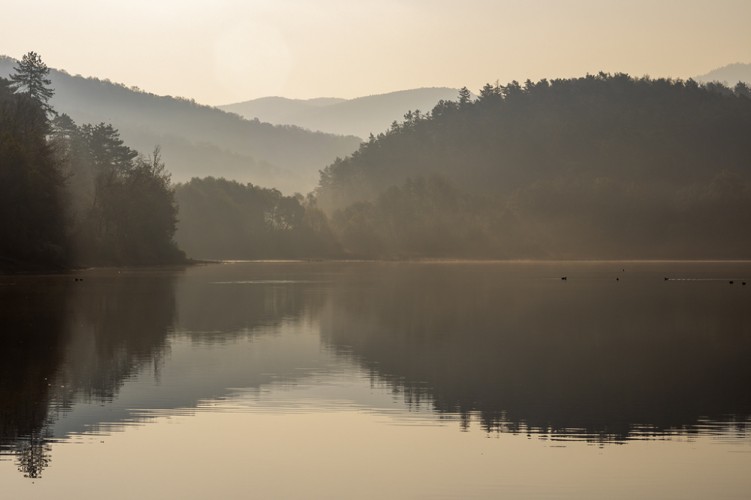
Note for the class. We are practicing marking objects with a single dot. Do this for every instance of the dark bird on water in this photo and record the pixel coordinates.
(564, 278)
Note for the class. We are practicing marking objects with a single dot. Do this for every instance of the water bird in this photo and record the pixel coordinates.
(666, 278)
(743, 283)
(564, 278)
(731, 282)
(617, 279)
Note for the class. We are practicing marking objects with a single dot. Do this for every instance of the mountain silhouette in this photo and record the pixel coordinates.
(362, 116)
(730, 74)
(198, 140)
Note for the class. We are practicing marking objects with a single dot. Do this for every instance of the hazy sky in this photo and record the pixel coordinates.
(223, 51)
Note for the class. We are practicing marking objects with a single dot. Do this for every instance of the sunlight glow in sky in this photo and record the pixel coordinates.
(223, 51)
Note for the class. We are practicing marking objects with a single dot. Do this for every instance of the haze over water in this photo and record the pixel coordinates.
(367, 380)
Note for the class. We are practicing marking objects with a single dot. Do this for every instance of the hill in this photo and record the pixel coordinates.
(198, 140)
(278, 110)
(361, 116)
(729, 75)
(603, 166)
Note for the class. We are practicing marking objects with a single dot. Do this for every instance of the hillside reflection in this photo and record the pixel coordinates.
(33, 342)
(509, 345)
(524, 351)
(69, 341)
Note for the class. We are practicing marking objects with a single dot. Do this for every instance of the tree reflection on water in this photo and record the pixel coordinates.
(510, 346)
(588, 358)
(69, 341)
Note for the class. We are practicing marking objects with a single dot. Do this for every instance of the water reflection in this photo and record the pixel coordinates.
(67, 342)
(33, 341)
(216, 303)
(523, 351)
(90, 355)
(508, 345)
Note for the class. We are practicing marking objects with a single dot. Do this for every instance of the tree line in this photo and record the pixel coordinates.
(224, 219)
(603, 166)
(75, 195)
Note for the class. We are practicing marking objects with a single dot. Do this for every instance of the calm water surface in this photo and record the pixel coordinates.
(373, 380)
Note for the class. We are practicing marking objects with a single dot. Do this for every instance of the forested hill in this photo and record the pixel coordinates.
(599, 166)
(199, 140)
(361, 116)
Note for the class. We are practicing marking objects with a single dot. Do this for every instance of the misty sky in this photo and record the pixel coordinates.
(223, 51)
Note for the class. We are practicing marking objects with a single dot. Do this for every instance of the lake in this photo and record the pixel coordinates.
(378, 379)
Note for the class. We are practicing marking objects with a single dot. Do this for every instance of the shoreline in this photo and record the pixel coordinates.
(17, 268)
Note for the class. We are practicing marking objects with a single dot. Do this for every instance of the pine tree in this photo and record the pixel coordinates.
(465, 97)
(31, 78)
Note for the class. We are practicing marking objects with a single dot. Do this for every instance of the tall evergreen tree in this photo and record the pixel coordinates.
(465, 97)
(31, 78)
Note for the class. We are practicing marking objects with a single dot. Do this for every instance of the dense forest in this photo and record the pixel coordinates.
(222, 219)
(603, 166)
(75, 195)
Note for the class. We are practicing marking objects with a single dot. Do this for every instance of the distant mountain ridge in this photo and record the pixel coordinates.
(278, 110)
(360, 116)
(199, 140)
(730, 74)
